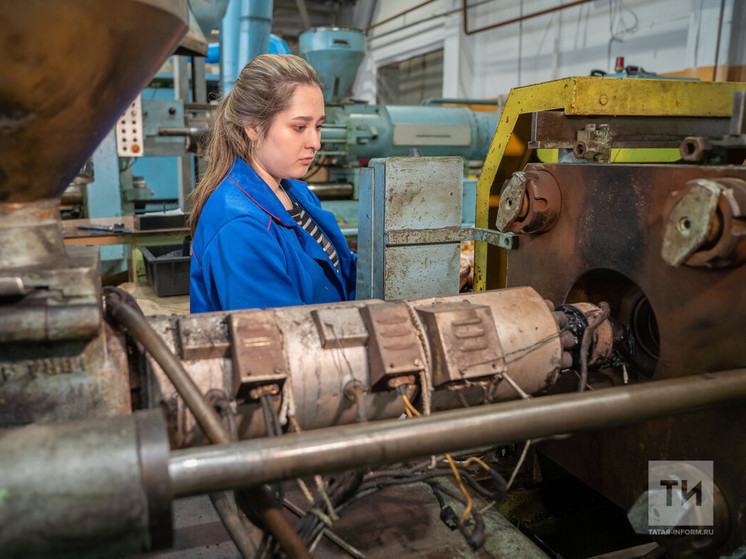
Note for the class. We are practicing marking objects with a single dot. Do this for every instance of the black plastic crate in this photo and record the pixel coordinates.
(167, 269)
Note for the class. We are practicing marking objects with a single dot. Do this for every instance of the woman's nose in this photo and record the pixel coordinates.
(315, 139)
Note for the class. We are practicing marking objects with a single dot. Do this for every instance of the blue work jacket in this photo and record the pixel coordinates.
(248, 252)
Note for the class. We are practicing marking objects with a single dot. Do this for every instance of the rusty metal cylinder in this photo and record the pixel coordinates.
(441, 351)
(96, 486)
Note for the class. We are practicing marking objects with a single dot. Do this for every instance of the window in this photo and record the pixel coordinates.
(410, 82)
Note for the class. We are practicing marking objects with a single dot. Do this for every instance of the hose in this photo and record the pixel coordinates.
(121, 310)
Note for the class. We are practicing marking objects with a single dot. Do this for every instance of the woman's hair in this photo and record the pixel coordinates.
(263, 89)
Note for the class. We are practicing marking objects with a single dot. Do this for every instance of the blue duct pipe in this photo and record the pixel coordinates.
(229, 31)
(244, 35)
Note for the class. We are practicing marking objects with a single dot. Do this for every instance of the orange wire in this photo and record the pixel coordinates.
(411, 410)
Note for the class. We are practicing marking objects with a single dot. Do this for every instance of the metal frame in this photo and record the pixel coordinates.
(582, 96)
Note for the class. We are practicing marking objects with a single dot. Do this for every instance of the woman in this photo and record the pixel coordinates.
(260, 236)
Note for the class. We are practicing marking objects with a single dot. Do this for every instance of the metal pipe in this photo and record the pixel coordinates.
(247, 463)
(516, 19)
(332, 190)
(93, 488)
(303, 10)
(456, 101)
(413, 8)
(225, 505)
(125, 315)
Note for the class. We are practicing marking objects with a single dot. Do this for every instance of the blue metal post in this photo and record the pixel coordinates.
(104, 198)
(229, 33)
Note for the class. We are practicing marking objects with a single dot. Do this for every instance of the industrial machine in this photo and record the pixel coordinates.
(661, 244)
(623, 308)
(355, 131)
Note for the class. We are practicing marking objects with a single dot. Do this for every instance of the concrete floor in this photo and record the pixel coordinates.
(153, 305)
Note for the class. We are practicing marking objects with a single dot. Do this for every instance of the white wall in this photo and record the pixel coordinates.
(663, 36)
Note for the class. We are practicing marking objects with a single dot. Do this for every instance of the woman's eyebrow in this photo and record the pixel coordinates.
(308, 118)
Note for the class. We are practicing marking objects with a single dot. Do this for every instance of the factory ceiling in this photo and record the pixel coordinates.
(292, 17)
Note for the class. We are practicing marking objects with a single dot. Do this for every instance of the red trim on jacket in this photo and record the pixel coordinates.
(273, 216)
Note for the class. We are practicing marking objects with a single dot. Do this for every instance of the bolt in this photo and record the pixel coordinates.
(685, 225)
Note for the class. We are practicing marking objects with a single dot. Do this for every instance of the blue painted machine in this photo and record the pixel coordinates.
(356, 132)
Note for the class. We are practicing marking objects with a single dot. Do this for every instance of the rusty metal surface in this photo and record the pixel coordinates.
(340, 327)
(393, 347)
(425, 194)
(258, 351)
(409, 205)
(614, 226)
(421, 270)
(76, 379)
(465, 343)
(530, 203)
(30, 233)
(157, 390)
(580, 96)
(528, 335)
(319, 376)
(203, 337)
(606, 246)
(706, 225)
(327, 359)
(55, 113)
(57, 302)
(58, 360)
(403, 237)
(554, 129)
(690, 223)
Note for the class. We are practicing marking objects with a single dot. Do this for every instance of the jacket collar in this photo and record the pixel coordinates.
(245, 178)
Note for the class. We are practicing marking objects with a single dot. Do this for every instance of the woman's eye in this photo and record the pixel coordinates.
(299, 128)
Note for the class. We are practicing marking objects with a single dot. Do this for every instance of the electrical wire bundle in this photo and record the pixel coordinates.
(340, 492)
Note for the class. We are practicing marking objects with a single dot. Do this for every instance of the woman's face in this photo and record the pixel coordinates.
(293, 138)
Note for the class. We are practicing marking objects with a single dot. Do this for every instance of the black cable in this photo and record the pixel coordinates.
(275, 419)
(476, 537)
(447, 514)
(340, 491)
(402, 477)
(274, 429)
(495, 495)
(268, 424)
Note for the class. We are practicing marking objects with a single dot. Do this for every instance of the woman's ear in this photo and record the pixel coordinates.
(251, 132)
